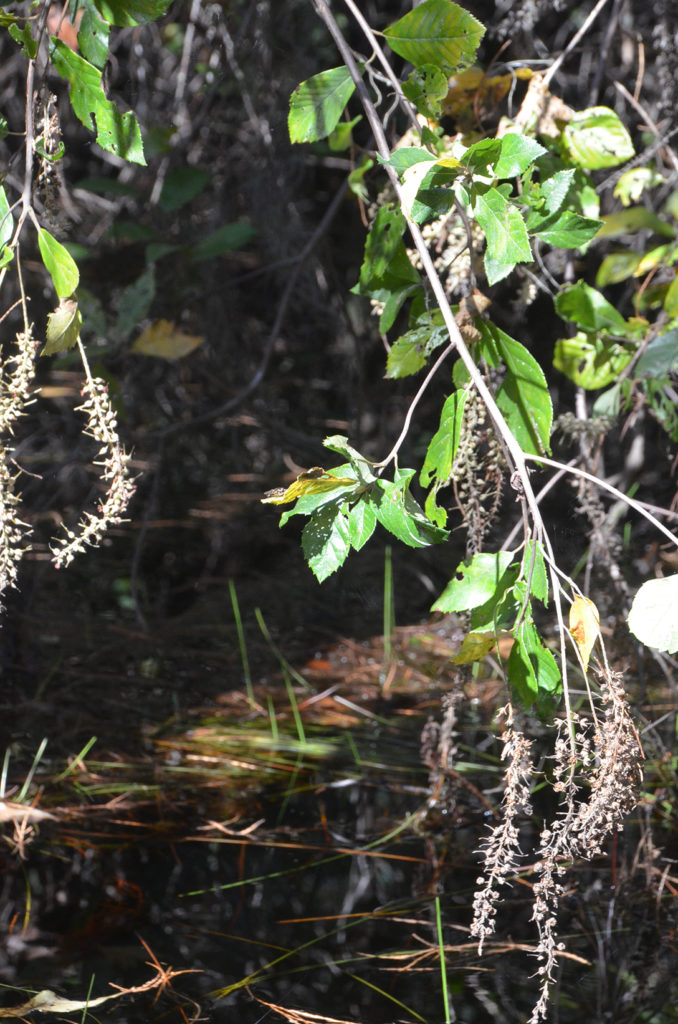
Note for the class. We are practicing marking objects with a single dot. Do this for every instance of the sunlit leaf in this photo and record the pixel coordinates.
(116, 132)
(59, 263)
(635, 218)
(504, 228)
(313, 481)
(63, 327)
(437, 33)
(596, 138)
(476, 582)
(326, 541)
(6, 219)
(616, 267)
(588, 309)
(533, 571)
(518, 152)
(584, 626)
(653, 618)
(317, 104)
(590, 361)
(164, 340)
(531, 668)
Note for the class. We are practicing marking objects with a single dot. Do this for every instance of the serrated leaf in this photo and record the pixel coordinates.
(504, 228)
(6, 219)
(118, 133)
(317, 104)
(533, 571)
(400, 514)
(485, 578)
(59, 263)
(127, 13)
(362, 520)
(587, 308)
(358, 463)
(63, 328)
(326, 541)
(164, 340)
(444, 443)
(93, 35)
(517, 153)
(411, 351)
(523, 396)
(531, 668)
(584, 626)
(596, 138)
(590, 361)
(438, 33)
(564, 230)
(555, 189)
(653, 618)
(426, 88)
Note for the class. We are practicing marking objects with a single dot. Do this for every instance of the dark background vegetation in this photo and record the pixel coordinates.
(138, 638)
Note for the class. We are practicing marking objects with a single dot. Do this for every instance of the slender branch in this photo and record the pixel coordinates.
(631, 502)
(555, 67)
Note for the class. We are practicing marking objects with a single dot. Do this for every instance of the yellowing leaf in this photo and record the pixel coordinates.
(474, 647)
(63, 327)
(313, 481)
(165, 341)
(584, 626)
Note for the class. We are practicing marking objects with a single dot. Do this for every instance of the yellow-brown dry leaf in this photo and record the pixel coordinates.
(584, 626)
(164, 340)
(474, 647)
(313, 481)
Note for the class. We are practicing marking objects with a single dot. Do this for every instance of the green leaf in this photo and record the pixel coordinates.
(181, 186)
(326, 541)
(635, 218)
(59, 263)
(227, 238)
(63, 328)
(444, 443)
(426, 87)
(523, 395)
(412, 350)
(616, 267)
(93, 36)
(590, 361)
(596, 138)
(504, 227)
(653, 618)
(317, 104)
(127, 13)
(135, 302)
(670, 299)
(359, 465)
(531, 668)
(386, 273)
(660, 356)
(484, 578)
(633, 183)
(362, 520)
(480, 156)
(533, 571)
(517, 153)
(400, 514)
(6, 219)
(21, 34)
(555, 189)
(564, 230)
(588, 309)
(438, 33)
(118, 133)
(342, 136)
